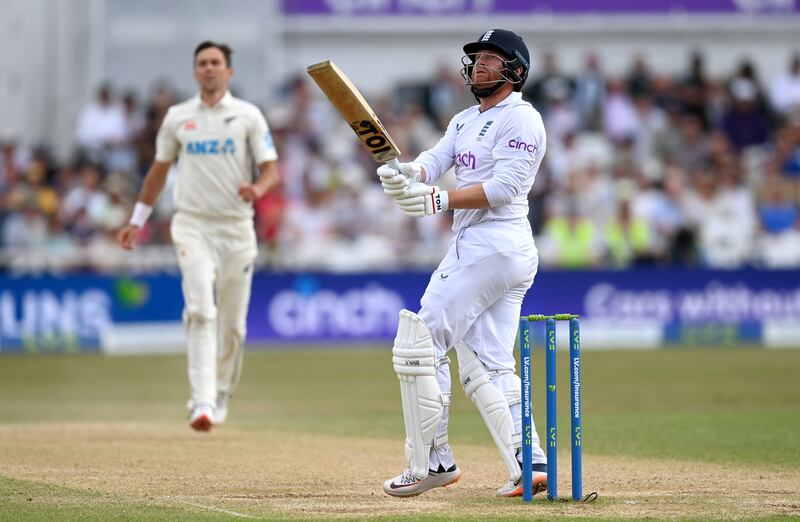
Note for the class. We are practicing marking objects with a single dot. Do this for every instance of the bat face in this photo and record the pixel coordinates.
(355, 110)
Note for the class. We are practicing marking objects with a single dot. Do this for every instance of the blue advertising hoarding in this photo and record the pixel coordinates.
(691, 306)
(71, 313)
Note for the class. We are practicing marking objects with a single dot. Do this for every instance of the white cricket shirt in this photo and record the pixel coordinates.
(501, 148)
(215, 148)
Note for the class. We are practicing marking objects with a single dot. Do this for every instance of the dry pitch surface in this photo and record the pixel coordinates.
(57, 468)
(235, 473)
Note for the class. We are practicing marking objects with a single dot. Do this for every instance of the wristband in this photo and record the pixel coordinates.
(441, 201)
(141, 211)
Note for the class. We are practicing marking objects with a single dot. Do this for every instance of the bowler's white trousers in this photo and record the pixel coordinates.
(475, 297)
(216, 261)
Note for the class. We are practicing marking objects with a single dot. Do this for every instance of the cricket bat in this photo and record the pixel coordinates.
(356, 111)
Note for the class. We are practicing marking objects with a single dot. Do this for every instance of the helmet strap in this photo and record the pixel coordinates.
(486, 91)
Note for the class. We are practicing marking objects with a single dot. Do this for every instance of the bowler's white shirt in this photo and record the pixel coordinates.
(216, 148)
(501, 148)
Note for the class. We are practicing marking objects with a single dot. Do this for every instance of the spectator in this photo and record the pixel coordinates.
(652, 123)
(665, 94)
(777, 212)
(86, 202)
(725, 218)
(673, 222)
(620, 121)
(571, 240)
(101, 123)
(745, 124)
(13, 160)
(785, 91)
(548, 79)
(25, 227)
(590, 92)
(134, 117)
(639, 81)
(787, 151)
(561, 119)
(694, 90)
(716, 104)
(779, 218)
(692, 150)
(627, 237)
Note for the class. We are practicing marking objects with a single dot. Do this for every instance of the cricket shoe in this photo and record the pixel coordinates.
(513, 488)
(221, 411)
(202, 417)
(407, 485)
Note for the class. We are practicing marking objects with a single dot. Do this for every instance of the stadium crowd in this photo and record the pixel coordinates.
(643, 168)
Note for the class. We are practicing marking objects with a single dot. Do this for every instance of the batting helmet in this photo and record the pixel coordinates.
(508, 44)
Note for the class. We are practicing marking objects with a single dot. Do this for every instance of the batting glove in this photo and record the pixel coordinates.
(420, 200)
(395, 182)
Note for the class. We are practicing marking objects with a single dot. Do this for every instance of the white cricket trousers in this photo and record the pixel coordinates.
(475, 296)
(216, 261)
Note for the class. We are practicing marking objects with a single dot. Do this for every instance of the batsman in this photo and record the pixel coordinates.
(473, 300)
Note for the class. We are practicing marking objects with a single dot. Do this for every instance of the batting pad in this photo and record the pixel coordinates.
(414, 361)
(493, 406)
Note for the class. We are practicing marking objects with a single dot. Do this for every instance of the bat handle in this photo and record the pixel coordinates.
(394, 164)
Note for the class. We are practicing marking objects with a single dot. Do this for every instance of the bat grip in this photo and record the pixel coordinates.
(394, 164)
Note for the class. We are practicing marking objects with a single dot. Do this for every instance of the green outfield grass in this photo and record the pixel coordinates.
(728, 409)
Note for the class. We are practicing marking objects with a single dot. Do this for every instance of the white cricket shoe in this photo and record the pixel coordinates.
(202, 417)
(407, 485)
(513, 488)
(221, 411)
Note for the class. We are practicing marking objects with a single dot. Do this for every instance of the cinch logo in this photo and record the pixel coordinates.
(211, 147)
(516, 143)
(363, 312)
(466, 159)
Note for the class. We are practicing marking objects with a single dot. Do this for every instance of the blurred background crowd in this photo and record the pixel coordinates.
(641, 168)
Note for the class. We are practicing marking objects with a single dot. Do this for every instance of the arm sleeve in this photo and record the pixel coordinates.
(440, 158)
(167, 144)
(260, 140)
(517, 154)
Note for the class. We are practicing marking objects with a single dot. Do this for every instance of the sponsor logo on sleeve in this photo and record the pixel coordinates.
(518, 144)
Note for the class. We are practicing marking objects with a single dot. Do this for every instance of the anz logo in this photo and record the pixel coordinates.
(211, 147)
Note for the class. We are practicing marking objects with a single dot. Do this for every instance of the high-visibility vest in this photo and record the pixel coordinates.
(574, 244)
